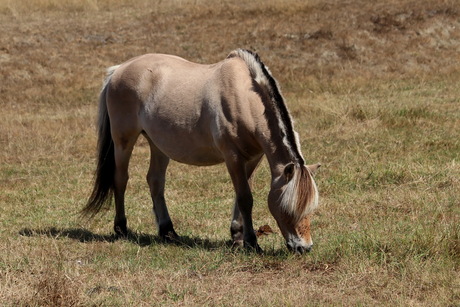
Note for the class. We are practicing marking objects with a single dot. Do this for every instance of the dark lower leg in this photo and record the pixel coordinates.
(166, 232)
(240, 172)
(120, 227)
(122, 155)
(120, 224)
(245, 207)
(236, 227)
(156, 178)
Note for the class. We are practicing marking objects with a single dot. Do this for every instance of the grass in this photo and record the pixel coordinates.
(374, 93)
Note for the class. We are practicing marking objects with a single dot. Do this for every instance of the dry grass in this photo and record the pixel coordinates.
(374, 92)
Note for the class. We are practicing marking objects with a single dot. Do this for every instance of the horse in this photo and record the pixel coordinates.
(229, 112)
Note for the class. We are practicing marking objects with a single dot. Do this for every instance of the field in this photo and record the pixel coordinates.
(375, 94)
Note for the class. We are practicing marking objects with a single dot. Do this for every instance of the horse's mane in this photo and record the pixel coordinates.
(262, 75)
(300, 196)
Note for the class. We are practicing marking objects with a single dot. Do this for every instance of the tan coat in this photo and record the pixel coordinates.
(231, 112)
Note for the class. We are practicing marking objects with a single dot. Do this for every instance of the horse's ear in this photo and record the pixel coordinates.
(314, 167)
(289, 171)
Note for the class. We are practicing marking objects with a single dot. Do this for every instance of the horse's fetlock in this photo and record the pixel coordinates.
(120, 227)
(237, 236)
(166, 232)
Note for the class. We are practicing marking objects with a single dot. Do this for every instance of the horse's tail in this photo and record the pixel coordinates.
(102, 193)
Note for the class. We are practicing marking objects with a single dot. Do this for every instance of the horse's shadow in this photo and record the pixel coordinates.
(141, 239)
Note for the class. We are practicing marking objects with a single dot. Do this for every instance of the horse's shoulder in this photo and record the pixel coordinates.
(234, 74)
(236, 65)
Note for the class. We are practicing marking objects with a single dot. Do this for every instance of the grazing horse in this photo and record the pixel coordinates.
(230, 112)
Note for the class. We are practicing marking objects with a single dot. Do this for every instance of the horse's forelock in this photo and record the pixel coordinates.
(300, 196)
(308, 201)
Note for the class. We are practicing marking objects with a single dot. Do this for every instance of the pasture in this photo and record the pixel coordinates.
(375, 96)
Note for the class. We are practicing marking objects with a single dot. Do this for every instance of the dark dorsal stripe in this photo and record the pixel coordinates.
(280, 105)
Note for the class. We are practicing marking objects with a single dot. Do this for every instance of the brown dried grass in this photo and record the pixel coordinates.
(374, 92)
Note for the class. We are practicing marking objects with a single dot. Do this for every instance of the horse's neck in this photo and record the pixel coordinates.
(278, 157)
(275, 147)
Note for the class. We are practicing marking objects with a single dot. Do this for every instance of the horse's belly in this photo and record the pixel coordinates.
(198, 158)
(188, 153)
(183, 131)
(183, 144)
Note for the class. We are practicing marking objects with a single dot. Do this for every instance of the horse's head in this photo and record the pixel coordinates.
(292, 199)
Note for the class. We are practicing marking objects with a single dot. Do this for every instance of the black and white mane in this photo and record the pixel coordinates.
(262, 75)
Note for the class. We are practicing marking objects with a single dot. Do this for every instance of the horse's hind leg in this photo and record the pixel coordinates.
(156, 178)
(236, 226)
(123, 148)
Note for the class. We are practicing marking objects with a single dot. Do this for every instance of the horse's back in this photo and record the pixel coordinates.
(186, 109)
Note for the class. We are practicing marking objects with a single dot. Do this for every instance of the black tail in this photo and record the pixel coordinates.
(104, 178)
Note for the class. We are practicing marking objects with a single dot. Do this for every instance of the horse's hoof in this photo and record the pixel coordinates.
(170, 237)
(121, 228)
(237, 236)
(253, 247)
(237, 244)
(167, 233)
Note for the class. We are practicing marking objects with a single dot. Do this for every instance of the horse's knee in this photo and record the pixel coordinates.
(151, 179)
(245, 204)
(156, 184)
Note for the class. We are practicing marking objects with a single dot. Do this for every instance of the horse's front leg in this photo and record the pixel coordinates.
(236, 226)
(243, 205)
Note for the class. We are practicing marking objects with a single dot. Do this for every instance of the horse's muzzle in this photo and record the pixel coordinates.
(299, 247)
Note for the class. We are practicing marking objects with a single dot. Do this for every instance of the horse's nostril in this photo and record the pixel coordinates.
(300, 249)
(303, 249)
